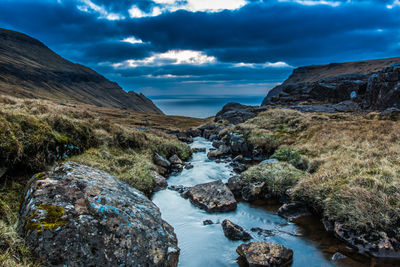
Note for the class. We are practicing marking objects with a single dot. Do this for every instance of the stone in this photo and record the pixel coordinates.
(77, 215)
(238, 158)
(265, 254)
(161, 161)
(213, 197)
(175, 159)
(238, 167)
(293, 210)
(263, 232)
(253, 191)
(217, 143)
(377, 244)
(234, 232)
(184, 137)
(159, 180)
(213, 154)
(338, 256)
(198, 149)
(235, 185)
(390, 114)
(207, 222)
(189, 166)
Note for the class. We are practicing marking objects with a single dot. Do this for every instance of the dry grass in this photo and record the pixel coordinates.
(34, 134)
(358, 180)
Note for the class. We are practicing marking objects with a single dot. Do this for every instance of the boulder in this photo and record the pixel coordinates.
(213, 197)
(213, 154)
(293, 210)
(383, 90)
(159, 180)
(377, 244)
(235, 185)
(237, 113)
(198, 149)
(253, 191)
(234, 231)
(184, 137)
(161, 161)
(175, 159)
(76, 215)
(265, 254)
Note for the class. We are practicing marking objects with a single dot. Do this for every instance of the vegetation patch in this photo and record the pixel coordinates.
(277, 176)
(354, 164)
(45, 217)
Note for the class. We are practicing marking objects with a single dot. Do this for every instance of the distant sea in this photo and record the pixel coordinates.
(199, 106)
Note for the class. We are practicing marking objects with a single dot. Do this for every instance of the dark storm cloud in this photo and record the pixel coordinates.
(259, 32)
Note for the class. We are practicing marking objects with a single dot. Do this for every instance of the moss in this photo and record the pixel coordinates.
(52, 219)
(292, 156)
(278, 176)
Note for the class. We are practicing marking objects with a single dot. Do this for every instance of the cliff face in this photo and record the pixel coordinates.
(372, 84)
(30, 69)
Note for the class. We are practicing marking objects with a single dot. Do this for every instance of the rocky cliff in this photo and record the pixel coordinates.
(30, 69)
(371, 84)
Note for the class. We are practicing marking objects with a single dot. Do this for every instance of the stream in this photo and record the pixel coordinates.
(206, 245)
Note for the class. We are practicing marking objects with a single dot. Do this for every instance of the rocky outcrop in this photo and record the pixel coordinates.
(237, 113)
(378, 244)
(234, 231)
(372, 85)
(383, 90)
(30, 69)
(78, 215)
(265, 254)
(212, 197)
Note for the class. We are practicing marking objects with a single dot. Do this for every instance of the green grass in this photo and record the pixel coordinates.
(277, 176)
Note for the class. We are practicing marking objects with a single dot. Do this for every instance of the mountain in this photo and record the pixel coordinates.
(30, 69)
(372, 84)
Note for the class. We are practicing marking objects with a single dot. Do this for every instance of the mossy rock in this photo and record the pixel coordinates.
(46, 217)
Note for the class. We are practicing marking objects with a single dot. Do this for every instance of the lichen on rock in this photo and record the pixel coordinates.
(77, 214)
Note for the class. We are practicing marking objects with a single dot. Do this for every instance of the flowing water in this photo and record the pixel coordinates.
(206, 245)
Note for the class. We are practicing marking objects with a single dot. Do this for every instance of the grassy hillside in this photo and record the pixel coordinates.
(34, 134)
(353, 164)
(28, 68)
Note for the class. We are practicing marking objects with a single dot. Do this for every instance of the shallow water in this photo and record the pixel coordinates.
(206, 245)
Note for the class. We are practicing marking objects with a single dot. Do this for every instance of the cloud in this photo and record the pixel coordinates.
(172, 57)
(168, 45)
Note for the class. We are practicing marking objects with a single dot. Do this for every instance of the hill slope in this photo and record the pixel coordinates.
(30, 69)
(336, 82)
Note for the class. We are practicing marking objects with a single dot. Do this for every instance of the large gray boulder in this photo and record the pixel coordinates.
(80, 216)
(212, 197)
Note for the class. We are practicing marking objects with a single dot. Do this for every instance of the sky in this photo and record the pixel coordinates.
(207, 47)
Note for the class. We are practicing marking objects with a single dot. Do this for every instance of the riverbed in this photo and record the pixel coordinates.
(206, 245)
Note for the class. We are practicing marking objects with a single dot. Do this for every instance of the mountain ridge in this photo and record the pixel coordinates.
(337, 82)
(28, 68)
